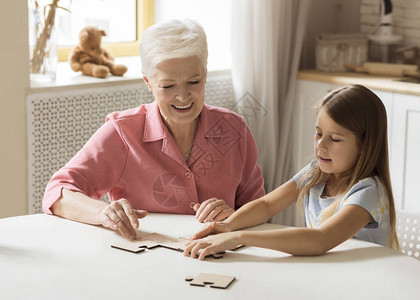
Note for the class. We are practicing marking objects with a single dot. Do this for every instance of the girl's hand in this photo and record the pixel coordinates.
(212, 244)
(211, 228)
(212, 209)
(119, 215)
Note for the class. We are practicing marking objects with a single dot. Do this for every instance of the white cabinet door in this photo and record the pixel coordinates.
(309, 94)
(387, 99)
(406, 152)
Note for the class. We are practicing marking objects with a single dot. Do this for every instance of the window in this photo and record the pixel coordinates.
(122, 20)
(125, 20)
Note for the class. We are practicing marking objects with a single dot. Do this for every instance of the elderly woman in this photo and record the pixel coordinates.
(175, 155)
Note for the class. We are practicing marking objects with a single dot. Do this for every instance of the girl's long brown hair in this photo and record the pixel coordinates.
(359, 110)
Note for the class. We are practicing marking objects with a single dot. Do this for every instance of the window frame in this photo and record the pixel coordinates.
(144, 18)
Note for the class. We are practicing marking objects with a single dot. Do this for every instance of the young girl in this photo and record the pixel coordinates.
(345, 191)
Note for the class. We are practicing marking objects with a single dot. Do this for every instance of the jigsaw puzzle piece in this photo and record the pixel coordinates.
(150, 241)
(153, 240)
(165, 241)
(131, 246)
(214, 280)
(137, 245)
(169, 242)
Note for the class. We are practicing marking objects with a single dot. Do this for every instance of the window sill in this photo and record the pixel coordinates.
(67, 79)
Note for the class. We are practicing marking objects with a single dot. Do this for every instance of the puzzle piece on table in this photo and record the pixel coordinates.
(150, 241)
(138, 245)
(215, 280)
(154, 240)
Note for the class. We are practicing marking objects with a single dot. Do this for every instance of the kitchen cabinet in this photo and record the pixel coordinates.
(309, 94)
(405, 163)
(403, 113)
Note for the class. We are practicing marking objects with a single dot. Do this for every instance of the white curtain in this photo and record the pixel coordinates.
(267, 38)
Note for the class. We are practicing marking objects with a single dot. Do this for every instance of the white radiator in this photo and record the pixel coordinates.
(59, 123)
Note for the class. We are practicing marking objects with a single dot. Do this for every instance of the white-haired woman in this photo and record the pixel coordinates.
(175, 155)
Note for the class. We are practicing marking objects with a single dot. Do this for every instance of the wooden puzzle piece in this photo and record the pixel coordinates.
(154, 240)
(215, 280)
(149, 241)
(126, 245)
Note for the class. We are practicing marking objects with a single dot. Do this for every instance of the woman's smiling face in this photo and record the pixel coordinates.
(178, 86)
(336, 148)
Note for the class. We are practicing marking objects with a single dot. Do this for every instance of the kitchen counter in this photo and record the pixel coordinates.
(375, 82)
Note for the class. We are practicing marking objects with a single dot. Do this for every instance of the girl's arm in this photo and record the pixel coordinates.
(255, 212)
(297, 241)
(259, 211)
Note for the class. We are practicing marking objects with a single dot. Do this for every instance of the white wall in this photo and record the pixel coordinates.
(328, 16)
(14, 80)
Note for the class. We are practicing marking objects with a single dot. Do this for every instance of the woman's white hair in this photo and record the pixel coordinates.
(172, 39)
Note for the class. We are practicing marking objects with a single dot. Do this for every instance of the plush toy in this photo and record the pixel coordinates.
(90, 58)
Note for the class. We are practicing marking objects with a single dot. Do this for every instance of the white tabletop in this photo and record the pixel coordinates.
(46, 257)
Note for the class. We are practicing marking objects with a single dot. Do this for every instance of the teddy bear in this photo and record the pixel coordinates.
(92, 59)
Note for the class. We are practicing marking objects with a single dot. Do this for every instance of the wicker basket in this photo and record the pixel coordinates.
(334, 51)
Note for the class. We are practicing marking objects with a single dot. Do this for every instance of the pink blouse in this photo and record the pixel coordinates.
(133, 156)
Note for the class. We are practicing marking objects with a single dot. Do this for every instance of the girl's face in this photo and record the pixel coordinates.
(178, 86)
(336, 148)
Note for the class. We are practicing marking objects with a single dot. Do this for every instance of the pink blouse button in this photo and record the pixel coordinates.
(187, 174)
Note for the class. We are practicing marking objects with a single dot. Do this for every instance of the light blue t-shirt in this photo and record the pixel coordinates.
(367, 193)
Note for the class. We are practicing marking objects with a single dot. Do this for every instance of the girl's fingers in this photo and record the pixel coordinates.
(211, 228)
(188, 248)
(205, 252)
(207, 230)
(196, 248)
(200, 249)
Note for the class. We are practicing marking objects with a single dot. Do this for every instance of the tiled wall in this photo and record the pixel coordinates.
(406, 19)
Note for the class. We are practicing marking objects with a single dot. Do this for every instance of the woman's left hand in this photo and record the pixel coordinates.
(212, 209)
(212, 244)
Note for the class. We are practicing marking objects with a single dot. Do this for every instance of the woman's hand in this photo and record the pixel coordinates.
(212, 244)
(212, 209)
(119, 215)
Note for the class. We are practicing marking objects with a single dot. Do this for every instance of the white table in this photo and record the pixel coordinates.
(46, 257)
